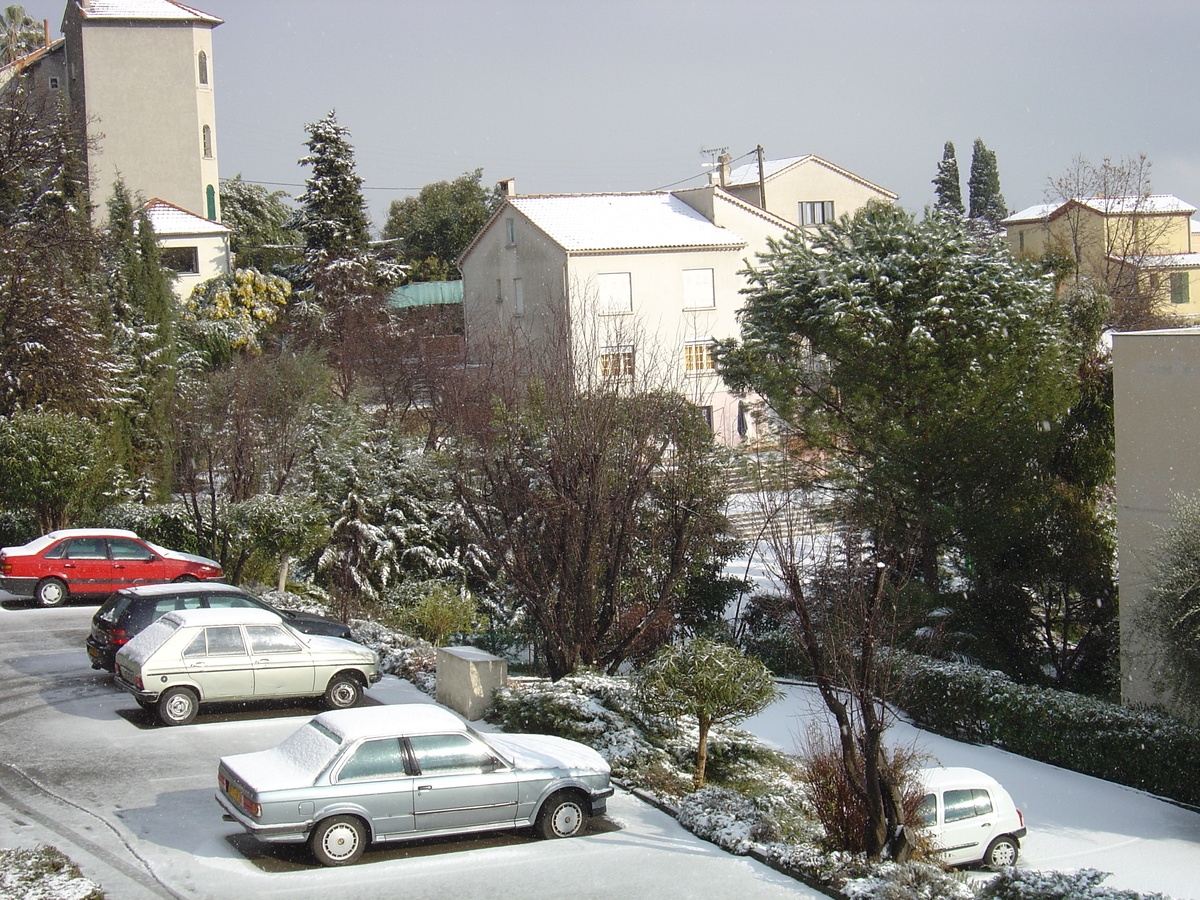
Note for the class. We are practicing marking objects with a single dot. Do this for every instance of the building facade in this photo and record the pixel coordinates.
(634, 287)
(1125, 243)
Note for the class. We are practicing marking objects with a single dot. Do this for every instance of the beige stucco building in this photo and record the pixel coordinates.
(636, 286)
(137, 77)
(1156, 403)
(1114, 239)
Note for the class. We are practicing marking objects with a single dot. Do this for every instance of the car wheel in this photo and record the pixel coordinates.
(562, 816)
(343, 692)
(338, 840)
(1001, 853)
(185, 579)
(177, 706)
(51, 592)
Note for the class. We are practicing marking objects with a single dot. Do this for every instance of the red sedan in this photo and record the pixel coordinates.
(78, 561)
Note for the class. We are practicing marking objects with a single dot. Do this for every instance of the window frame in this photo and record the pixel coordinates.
(614, 293)
(698, 358)
(618, 362)
(809, 210)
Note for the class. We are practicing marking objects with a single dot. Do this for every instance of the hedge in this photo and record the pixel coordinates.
(1140, 748)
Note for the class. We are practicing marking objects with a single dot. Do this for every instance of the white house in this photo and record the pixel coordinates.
(641, 282)
(194, 247)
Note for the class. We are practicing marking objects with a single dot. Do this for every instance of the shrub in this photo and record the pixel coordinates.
(1019, 884)
(44, 872)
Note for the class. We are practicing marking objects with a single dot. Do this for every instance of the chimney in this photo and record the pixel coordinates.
(508, 187)
(46, 29)
(723, 168)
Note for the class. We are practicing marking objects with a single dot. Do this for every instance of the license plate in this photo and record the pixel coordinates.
(92, 651)
(235, 795)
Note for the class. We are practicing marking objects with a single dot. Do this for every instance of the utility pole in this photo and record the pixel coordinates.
(762, 181)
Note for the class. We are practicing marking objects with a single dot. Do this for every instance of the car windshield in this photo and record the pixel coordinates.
(161, 551)
(505, 756)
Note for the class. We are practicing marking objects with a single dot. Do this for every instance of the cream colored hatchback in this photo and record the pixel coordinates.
(195, 656)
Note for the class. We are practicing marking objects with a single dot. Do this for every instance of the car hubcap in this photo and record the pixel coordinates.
(567, 818)
(340, 842)
(343, 695)
(178, 707)
(52, 593)
(1003, 855)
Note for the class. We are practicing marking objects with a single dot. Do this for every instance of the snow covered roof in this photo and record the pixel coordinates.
(1166, 261)
(1156, 204)
(748, 174)
(143, 9)
(167, 218)
(602, 222)
(393, 719)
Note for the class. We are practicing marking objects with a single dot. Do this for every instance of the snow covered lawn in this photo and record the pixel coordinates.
(1075, 821)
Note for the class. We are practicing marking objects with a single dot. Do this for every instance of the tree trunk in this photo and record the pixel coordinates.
(702, 751)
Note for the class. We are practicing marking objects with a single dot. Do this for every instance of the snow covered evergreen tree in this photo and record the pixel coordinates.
(917, 357)
(53, 352)
(947, 184)
(333, 216)
(983, 187)
(341, 284)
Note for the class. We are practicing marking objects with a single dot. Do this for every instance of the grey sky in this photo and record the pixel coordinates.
(574, 96)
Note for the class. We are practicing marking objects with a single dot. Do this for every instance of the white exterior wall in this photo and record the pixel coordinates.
(212, 256)
(145, 109)
(489, 292)
(811, 181)
(1156, 408)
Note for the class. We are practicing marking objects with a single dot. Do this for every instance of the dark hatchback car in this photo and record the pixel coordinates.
(129, 611)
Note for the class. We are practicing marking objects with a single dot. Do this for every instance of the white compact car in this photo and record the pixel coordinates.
(970, 817)
(192, 656)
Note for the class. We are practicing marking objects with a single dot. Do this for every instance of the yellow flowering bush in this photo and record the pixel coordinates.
(238, 308)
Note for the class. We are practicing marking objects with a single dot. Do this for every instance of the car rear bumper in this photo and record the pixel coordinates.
(292, 833)
(101, 657)
(149, 696)
(18, 587)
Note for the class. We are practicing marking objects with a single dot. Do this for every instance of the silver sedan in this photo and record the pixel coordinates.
(391, 773)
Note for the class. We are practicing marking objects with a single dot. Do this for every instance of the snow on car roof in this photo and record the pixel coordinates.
(180, 587)
(241, 615)
(396, 719)
(941, 777)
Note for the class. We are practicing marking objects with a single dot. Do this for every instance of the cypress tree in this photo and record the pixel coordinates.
(986, 202)
(947, 185)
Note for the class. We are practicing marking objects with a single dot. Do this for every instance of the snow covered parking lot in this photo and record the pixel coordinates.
(132, 803)
(1075, 821)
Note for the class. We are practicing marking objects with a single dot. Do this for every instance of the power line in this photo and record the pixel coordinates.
(300, 185)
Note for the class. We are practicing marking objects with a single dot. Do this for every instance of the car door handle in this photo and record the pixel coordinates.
(424, 787)
(261, 662)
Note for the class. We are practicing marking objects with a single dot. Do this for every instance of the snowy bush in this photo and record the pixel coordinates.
(913, 881)
(43, 874)
(1136, 747)
(1018, 884)
(399, 654)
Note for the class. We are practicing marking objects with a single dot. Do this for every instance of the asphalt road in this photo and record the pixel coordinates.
(84, 769)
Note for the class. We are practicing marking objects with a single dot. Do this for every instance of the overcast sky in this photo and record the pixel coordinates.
(578, 96)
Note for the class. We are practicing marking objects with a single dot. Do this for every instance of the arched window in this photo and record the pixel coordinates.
(207, 139)
(210, 194)
(203, 63)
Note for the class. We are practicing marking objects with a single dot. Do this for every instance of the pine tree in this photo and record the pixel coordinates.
(986, 202)
(947, 185)
(333, 216)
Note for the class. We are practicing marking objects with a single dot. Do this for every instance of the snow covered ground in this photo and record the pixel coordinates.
(1075, 821)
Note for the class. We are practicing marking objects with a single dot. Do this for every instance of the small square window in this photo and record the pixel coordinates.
(816, 212)
(184, 260)
(54, 82)
(698, 357)
(617, 362)
(615, 292)
(698, 291)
